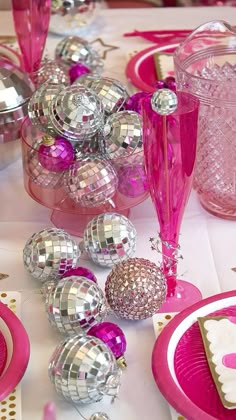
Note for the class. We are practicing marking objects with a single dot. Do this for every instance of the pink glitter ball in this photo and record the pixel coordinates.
(111, 335)
(160, 84)
(77, 71)
(134, 102)
(170, 83)
(81, 271)
(58, 156)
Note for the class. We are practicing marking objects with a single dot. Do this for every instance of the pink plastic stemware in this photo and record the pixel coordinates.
(170, 150)
(31, 20)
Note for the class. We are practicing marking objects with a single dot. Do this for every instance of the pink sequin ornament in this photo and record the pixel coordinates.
(81, 271)
(55, 154)
(78, 70)
(132, 180)
(134, 103)
(113, 337)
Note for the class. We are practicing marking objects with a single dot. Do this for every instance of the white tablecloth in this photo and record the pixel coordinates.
(207, 243)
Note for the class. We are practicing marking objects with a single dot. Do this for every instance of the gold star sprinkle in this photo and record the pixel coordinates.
(104, 48)
(3, 276)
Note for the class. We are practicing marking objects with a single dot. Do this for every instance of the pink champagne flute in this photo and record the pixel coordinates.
(170, 139)
(31, 21)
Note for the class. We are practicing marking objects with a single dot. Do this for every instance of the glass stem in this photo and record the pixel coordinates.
(169, 265)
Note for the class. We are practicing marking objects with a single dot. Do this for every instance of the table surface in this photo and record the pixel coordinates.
(208, 244)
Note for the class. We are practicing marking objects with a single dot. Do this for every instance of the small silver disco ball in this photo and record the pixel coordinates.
(164, 101)
(123, 134)
(50, 253)
(91, 181)
(84, 369)
(109, 238)
(39, 107)
(111, 93)
(75, 304)
(76, 112)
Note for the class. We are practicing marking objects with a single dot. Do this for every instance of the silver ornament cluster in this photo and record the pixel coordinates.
(91, 115)
(91, 181)
(135, 289)
(83, 370)
(49, 253)
(75, 304)
(123, 134)
(109, 238)
(164, 101)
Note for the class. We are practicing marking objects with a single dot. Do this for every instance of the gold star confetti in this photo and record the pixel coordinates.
(6, 39)
(3, 276)
(233, 269)
(104, 48)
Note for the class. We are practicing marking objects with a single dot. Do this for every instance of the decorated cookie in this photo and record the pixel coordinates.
(219, 338)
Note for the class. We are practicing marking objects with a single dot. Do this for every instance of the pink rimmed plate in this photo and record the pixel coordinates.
(180, 366)
(140, 70)
(17, 351)
(10, 55)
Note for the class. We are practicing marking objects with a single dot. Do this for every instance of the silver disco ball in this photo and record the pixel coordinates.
(74, 49)
(91, 181)
(123, 134)
(50, 253)
(75, 304)
(83, 370)
(111, 92)
(109, 238)
(76, 112)
(39, 107)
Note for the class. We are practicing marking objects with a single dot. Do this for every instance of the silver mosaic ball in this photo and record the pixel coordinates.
(76, 112)
(75, 304)
(51, 72)
(85, 80)
(164, 101)
(111, 93)
(74, 49)
(135, 289)
(91, 181)
(99, 416)
(123, 134)
(39, 107)
(38, 174)
(50, 253)
(109, 238)
(83, 370)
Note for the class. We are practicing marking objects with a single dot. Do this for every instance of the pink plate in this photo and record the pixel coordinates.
(10, 54)
(18, 350)
(179, 363)
(140, 70)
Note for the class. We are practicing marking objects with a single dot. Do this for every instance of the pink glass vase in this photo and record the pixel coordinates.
(170, 151)
(31, 20)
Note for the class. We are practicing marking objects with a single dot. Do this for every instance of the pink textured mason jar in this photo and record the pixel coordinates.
(205, 65)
